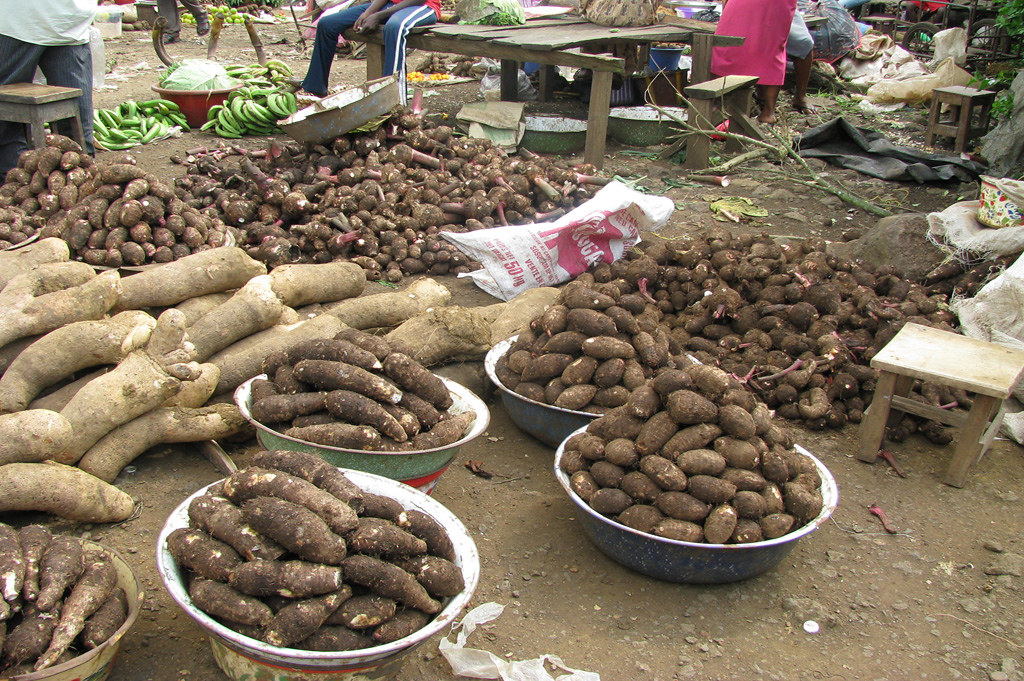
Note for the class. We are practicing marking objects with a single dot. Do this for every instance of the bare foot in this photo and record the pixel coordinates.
(768, 118)
(803, 107)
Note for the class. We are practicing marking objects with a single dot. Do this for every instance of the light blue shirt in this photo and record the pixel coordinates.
(48, 22)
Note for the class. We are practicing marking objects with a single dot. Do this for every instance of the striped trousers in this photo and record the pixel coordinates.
(65, 65)
(396, 29)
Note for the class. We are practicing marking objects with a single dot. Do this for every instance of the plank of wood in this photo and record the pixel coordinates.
(481, 32)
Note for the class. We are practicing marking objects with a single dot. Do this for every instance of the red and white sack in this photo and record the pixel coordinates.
(522, 257)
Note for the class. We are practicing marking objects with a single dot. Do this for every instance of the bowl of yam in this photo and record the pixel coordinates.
(700, 507)
(296, 569)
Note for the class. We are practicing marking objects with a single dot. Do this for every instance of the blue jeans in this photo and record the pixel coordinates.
(64, 65)
(396, 29)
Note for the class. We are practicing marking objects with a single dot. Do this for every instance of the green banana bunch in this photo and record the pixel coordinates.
(250, 111)
(133, 123)
(271, 74)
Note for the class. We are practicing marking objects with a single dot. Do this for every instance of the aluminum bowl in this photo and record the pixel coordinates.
(546, 422)
(554, 135)
(641, 126)
(244, 659)
(690, 562)
(417, 468)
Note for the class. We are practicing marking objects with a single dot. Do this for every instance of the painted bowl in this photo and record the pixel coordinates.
(690, 562)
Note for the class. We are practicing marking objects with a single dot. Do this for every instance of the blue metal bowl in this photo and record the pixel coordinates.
(689, 562)
(546, 422)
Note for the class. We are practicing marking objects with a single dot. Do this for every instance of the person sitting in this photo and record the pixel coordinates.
(765, 24)
(398, 18)
(168, 9)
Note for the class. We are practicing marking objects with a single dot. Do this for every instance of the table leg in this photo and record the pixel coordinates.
(698, 144)
(375, 62)
(971, 439)
(872, 428)
(597, 120)
(36, 129)
(509, 80)
(700, 63)
(547, 83)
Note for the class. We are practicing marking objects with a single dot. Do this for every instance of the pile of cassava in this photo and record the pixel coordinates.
(60, 598)
(793, 324)
(290, 552)
(382, 198)
(355, 391)
(692, 456)
(111, 214)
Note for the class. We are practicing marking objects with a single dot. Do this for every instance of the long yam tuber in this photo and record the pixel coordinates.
(252, 482)
(90, 592)
(62, 490)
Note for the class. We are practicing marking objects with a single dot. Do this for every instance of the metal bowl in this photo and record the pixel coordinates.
(244, 659)
(546, 422)
(641, 126)
(554, 134)
(690, 562)
(417, 468)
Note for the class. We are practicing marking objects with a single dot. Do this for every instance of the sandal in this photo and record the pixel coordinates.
(203, 25)
(168, 39)
(805, 109)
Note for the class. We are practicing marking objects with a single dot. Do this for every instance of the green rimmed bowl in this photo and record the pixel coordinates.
(642, 126)
(554, 135)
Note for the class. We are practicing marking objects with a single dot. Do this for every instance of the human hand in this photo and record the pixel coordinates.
(367, 23)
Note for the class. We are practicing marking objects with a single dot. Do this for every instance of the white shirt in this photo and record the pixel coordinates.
(47, 22)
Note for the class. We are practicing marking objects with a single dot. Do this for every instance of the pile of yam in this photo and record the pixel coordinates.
(290, 552)
(694, 457)
(355, 391)
(60, 598)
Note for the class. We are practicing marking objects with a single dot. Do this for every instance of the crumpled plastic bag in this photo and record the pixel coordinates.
(918, 90)
(198, 74)
(893, 63)
(481, 664)
(950, 43)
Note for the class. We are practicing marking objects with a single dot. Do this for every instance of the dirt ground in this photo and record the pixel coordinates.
(941, 599)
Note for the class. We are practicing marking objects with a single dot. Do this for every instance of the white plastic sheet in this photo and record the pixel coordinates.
(481, 664)
(522, 257)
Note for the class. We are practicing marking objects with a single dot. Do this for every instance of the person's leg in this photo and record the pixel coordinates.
(802, 73)
(800, 48)
(395, 32)
(201, 17)
(328, 28)
(769, 96)
(168, 9)
(71, 66)
(18, 61)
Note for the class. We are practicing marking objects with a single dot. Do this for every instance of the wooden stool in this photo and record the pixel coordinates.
(985, 369)
(963, 102)
(735, 93)
(36, 105)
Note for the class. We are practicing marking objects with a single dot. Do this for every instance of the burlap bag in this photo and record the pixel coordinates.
(620, 12)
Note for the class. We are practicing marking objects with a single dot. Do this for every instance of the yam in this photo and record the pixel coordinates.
(621, 452)
(89, 593)
(33, 436)
(687, 408)
(720, 524)
(641, 488)
(355, 408)
(202, 554)
(334, 639)
(335, 350)
(315, 470)
(364, 612)
(664, 473)
(299, 620)
(30, 637)
(253, 482)
(296, 528)
(60, 566)
(701, 462)
(389, 581)
(608, 501)
(290, 579)
(405, 623)
(607, 347)
(299, 285)
(34, 540)
(328, 375)
(105, 622)
(693, 437)
(682, 506)
(679, 530)
(224, 521)
(382, 538)
(65, 491)
(429, 530)
(711, 490)
(225, 602)
(641, 517)
(609, 372)
(656, 433)
(12, 564)
(439, 576)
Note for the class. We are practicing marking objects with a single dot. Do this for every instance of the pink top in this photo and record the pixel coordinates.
(765, 25)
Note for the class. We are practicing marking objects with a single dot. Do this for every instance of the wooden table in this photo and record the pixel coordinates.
(547, 42)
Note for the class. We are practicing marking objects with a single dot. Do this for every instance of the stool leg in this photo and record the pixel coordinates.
(963, 126)
(901, 389)
(970, 441)
(933, 120)
(737, 106)
(36, 130)
(872, 428)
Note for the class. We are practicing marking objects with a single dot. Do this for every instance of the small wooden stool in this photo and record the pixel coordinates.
(36, 105)
(735, 93)
(963, 103)
(985, 369)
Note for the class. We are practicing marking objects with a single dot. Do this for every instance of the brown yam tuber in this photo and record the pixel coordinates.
(405, 623)
(351, 407)
(383, 538)
(299, 620)
(224, 602)
(34, 540)
(296, 528)
(62, 490)
(314, 469)
(328, 375)
(89, 593)
(12, 566)
(411, 376)
(202, 554)
(253, 482)
(103, 623)
(389, 581)
(224, 521)
(60, 566)
(364, 612)
(290, 579)
(27, 641)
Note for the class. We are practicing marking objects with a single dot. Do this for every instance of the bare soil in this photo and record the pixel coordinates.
(919, 604)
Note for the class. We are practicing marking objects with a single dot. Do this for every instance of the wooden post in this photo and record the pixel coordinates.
(700, 57)
(597, 119)
(547, 82)
(509, 80)
(375, 61)
(872, 428)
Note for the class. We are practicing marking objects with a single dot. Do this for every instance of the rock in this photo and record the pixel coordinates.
(1007, 564)
(795, 215)
(782, 195)
(1004, 145)
(998, 676)
(803, 609)
(993, 546)
(898, 240)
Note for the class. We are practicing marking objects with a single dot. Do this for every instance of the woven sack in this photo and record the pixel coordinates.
(620, 12)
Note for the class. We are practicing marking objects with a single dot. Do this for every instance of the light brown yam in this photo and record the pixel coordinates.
(12, 564)
(590, 322)
(166, 425)
(298, 285)
(776, 525)
(363, 612)
(33, 436)
(314, 469)
(577, 295)
(296, 528)
(340, 435)
(607, 347)
(412, 377)
(34, 540)
(640, 517)
(336, 350)
(290, 579)
(106, 621)
(62, 490)
(195, 308)
(385, 310)
(224, 521)
(253, 308)
(701, 462)
(390, 581)
(688, 408)
(197, 392)
(202, 554)
(429, 530)
(225, 602)
(282, 408)
(583, 484)
(693, 437)
(87, 596)
(54, 295)
(744, 479)
(351, 407)
(10, 352)
(679, 530)
(405, 623)
(711, 490)
(609, 372)
(372, 344)
(610, 501)
(299, 620)
(736, 421)
(49, 250)
(720, 524)
(442, 335)
(383, 538)
(440, 577)
(576, 397)
(444, 433)
(666, 474)
(516, 314)
(143, 380)
(738, 453)
(252, 482)
(199, 274)
(328, 375)
(656, 433)
(243, 360)
(711, 381)
(60, 566)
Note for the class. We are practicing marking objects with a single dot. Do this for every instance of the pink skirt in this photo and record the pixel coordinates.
(765, 25)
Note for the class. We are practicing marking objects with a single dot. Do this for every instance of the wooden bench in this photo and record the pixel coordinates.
(733, 95)
(36, 105)
(988, 370)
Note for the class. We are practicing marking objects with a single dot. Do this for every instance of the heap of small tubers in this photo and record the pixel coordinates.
(290, 552)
